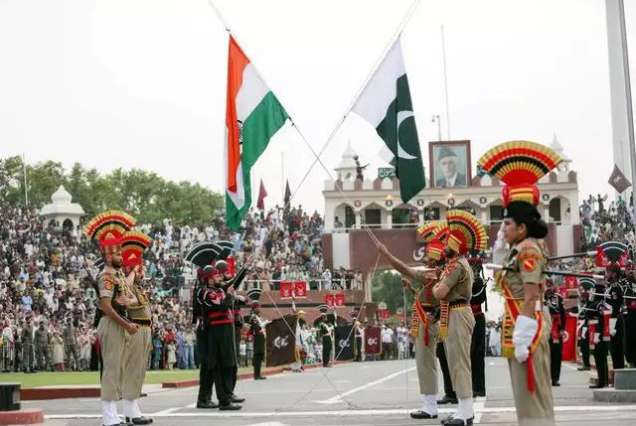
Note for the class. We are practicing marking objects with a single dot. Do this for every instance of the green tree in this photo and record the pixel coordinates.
(386, 287)
(144, 194)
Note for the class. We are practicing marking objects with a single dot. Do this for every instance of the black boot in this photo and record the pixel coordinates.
(139, 420)
(447, 400)
(421, 414)
(229, 407)
(206, 404)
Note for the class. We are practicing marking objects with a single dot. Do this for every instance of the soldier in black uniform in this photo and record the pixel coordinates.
(219, 330)
(325, 333)
(598, 333)
(614, 297)
(554, 303)
(629, 296)
(478, 342)
(257, 331)
(206, 374)
(585, 286)
(229, 280)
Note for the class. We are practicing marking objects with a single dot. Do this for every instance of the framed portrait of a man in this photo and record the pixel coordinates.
(449, 164)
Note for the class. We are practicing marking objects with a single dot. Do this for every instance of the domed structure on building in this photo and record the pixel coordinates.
(62, 210)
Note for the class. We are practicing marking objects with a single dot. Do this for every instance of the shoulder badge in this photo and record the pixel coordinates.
(108, 281)
(528, 260)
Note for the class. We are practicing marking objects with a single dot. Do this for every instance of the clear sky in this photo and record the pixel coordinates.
(141, 83)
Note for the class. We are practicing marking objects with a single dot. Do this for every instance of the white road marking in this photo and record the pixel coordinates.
(338, 398)
(267, 424)
(483, 410)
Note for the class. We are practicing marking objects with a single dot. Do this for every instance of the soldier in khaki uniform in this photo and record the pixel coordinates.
(526, 326)
(424, 322)
(114, 329)
(457, 321)
(139, 312)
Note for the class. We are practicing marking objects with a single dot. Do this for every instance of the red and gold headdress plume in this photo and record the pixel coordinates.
(109, 227)
(520, 165)
(435, 229)
(433, 234)
(466, 232)
(133, 245)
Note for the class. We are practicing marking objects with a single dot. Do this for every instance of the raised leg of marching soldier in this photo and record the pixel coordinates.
(478, 355)
(426, 365)
(449, 394)
(135, 365)
(556, 350)
(616, 345)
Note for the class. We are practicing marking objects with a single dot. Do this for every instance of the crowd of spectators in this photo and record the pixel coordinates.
(603, 221)
(48, 298)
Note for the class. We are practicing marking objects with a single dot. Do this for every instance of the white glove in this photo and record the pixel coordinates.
(525, 329)
(612, 326)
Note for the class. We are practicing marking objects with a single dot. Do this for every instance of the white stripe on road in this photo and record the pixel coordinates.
(338, 398)
(400, 411)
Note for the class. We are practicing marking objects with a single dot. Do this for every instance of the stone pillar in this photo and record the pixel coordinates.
(389, 220)
(420, 217)
(358, 215)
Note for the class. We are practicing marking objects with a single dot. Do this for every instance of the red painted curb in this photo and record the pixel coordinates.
(36, 394)
(21, 417)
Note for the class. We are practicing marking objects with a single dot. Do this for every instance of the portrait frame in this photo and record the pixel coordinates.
(461, 149)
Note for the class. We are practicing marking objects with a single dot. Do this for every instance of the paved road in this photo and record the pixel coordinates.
(373, 393)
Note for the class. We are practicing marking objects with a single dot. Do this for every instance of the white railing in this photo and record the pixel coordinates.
(312, 284)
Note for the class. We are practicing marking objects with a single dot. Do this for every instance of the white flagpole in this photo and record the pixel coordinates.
(26, 188)
(448, 126)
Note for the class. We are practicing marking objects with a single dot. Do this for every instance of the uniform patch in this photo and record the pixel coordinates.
(528, 260)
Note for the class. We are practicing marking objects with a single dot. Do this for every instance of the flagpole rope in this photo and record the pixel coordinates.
(317, 159)
(325, 374)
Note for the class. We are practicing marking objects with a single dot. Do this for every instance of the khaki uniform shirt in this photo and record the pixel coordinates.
(458, 277)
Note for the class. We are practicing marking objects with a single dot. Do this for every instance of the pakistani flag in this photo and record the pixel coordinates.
(253, 116)
(386, 104)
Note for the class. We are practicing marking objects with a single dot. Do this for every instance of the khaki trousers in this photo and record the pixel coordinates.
(461, 322)
(425, 360)
(534, 409)
(113, 341)
(136, 362)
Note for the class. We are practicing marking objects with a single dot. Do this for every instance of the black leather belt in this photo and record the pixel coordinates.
(458, 303)
(141, 322)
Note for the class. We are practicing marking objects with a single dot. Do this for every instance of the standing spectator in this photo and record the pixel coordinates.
(189, 339)
(70, 345)
(27, 346)
(84, 341)
(42, 341)
(387, 342)
(172, 355)
(58, 351)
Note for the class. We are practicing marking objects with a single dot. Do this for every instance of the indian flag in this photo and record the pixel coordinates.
(253, 116)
